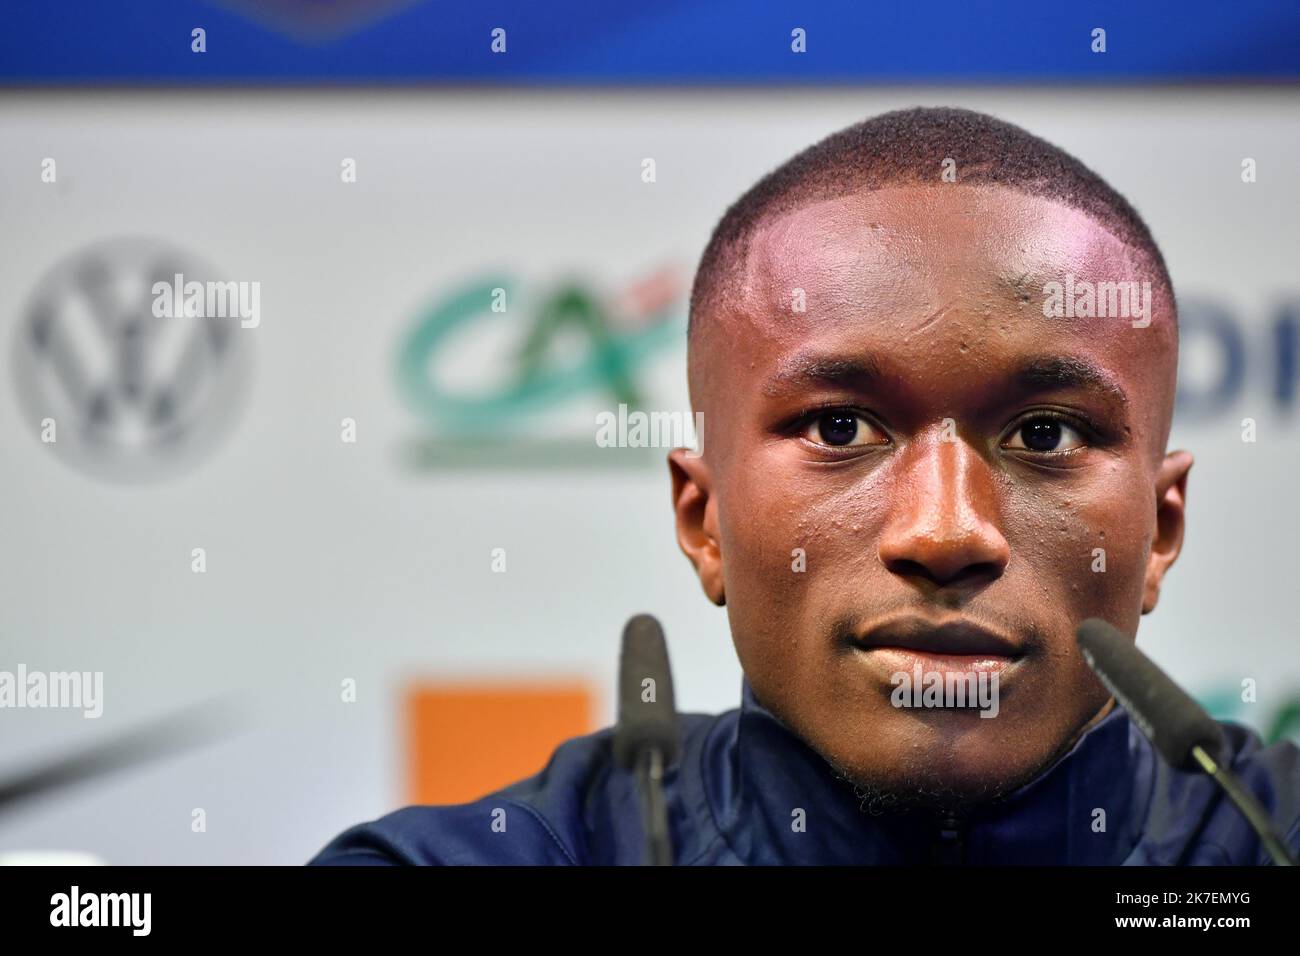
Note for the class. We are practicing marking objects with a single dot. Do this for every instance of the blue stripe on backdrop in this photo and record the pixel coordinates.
(586, 41)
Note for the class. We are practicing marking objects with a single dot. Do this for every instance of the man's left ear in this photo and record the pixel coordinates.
(1167, 540)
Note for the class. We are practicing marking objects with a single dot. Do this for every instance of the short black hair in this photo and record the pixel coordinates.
(908, 147)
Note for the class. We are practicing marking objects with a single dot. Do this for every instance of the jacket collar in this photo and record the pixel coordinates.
(777, 801)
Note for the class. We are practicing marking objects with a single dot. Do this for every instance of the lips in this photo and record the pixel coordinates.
(953, 638)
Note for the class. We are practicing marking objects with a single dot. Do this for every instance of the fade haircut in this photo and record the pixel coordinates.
(908, 147)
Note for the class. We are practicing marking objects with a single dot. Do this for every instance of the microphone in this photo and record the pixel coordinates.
(179, 732)
(1182, 732)
(646, 737)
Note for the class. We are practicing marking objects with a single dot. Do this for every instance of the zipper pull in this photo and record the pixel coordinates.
(949, 847)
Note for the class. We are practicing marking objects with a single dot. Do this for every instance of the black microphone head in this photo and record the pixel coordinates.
(647, 715)
(1171, 719)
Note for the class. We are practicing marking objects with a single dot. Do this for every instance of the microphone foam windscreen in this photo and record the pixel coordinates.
(647, 715)
(1162, 710)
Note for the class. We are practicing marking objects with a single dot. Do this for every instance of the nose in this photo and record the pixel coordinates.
(944, 529)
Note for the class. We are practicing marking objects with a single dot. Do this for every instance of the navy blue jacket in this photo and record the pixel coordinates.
(735, 794)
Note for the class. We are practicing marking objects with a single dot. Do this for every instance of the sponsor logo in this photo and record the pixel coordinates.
(504, 375)
(119, 387)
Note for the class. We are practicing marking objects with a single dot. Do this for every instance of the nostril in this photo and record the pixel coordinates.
(907, 568)
(974, 574)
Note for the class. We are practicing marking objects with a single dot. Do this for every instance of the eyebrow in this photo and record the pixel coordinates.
(1052, 372)
(806, 370)
(802, 371)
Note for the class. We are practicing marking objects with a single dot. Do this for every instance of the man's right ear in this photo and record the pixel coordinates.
(697, 520)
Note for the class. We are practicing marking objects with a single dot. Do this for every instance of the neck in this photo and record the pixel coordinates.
(1105, 765)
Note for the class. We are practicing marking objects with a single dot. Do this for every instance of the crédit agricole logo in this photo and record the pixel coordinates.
(502, 374)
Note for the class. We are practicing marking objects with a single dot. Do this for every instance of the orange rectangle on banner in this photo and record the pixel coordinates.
(465, 740)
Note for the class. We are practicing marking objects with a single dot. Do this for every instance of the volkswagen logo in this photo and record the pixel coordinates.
(114, 388)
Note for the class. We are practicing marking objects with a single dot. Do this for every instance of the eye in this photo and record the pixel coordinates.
(1044, 434)
(843, 428)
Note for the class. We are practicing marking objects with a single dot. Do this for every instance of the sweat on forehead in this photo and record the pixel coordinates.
(892, 250)
(916, 147)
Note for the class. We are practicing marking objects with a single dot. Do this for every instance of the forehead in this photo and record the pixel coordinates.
(900, 242)
(941, 277)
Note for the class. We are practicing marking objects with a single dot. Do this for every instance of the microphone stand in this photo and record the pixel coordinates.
(1245, 801)
(654, 809)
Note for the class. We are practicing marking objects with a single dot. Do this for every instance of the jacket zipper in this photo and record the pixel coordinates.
(949, 845)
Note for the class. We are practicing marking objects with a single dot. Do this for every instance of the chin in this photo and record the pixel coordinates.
(946, 774)
(888, 791)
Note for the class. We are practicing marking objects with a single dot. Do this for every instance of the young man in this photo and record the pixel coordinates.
(936, 359)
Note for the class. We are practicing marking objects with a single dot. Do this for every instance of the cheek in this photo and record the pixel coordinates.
(761, 527)
(791, 530)
(1084, 542)
(840, 522)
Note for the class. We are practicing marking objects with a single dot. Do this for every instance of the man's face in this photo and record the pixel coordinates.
(921, 469)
